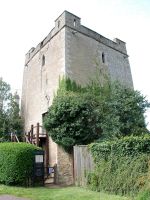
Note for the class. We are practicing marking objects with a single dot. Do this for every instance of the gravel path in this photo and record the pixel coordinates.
(9, 197)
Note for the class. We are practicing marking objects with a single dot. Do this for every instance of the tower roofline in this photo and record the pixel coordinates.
(64, 12)
(67, 19)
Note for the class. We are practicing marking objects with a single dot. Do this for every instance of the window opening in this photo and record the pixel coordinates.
(43, 60)
(41, 44)
(74, 22)
(58, 24)
(103, 57)
(46, 81)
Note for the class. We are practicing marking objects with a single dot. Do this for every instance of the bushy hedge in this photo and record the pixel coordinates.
(16, 162)
(144, 195)
(121, 166)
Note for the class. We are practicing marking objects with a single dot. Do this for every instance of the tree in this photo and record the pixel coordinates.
(10, 120)
(15, 121)
(82, 115)
(4, 99)
(124, 112)
(4, 94)
(73, 120)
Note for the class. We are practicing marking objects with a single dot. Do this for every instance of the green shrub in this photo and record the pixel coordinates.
(127, 146)
(121, 166)
(73, 120)
(144, 194)
(81, 115)
(16, 162)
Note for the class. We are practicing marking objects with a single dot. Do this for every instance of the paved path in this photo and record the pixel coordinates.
(9, 197)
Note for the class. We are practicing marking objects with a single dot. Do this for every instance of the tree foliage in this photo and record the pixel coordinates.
(73, 119)
(10, 120)
(124, 112)
(81, 115)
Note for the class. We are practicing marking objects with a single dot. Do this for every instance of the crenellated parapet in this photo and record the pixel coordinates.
(74, 22)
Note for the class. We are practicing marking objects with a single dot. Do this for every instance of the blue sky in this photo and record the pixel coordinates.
(25, 23)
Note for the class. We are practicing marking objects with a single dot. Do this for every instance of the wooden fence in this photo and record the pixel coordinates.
(83, 164)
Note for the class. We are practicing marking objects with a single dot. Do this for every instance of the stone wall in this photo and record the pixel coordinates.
(41, 82)
(84, 60)
(64, 167)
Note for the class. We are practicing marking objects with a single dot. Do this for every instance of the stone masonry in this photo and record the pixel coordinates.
(75, 51)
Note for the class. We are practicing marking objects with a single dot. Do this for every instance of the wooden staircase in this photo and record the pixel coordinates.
(35, 135)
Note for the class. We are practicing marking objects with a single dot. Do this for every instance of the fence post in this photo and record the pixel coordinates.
(47, 149)
(28, 136)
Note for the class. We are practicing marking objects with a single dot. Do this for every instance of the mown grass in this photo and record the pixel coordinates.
(66, 193)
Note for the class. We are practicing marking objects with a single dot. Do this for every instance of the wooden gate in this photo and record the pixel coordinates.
(83, 164)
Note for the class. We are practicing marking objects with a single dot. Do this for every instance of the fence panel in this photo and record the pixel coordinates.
(83, 163)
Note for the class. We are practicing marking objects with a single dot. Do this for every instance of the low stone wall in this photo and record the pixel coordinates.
(64, 167)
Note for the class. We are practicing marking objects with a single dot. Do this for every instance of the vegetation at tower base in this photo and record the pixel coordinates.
(16, 162)
(144, 194)
(122, 166)
(82, 115)
(73, 119)
(10, 120)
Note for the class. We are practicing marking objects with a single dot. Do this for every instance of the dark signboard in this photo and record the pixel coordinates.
(38, 170)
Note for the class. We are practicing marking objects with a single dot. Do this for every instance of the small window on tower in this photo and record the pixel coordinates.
(43, 60)
(74, 22)
(103, 57)
(58, 24)
(46, 80)
(41, 44)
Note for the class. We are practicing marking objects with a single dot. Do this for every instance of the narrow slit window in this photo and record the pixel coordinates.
(103, 58)
(58, 24)
(74, 22)
(46, 81)
(43, 60)
(41, 44)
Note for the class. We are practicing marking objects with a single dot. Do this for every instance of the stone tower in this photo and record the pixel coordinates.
(75, 51)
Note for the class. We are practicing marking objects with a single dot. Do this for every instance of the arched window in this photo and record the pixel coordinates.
(103, 58)
(43, 60)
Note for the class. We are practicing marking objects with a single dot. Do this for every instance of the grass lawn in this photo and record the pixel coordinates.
(66, 193)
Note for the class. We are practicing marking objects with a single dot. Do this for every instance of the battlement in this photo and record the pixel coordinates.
(72, 21)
